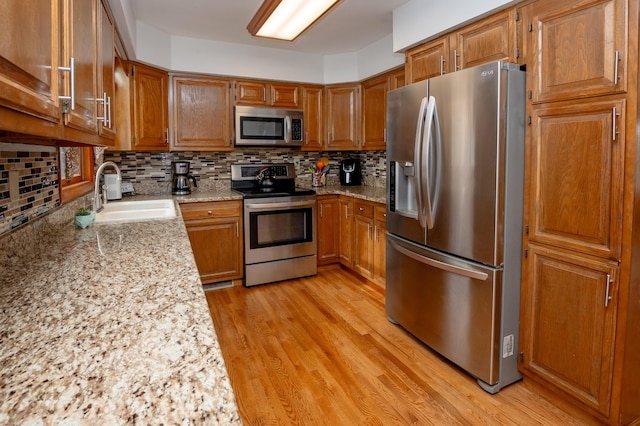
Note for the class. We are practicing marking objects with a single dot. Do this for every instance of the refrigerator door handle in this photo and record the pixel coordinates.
(425, 184)
(440, 265)
(417, 155)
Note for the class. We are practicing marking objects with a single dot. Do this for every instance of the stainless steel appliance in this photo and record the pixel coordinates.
(279, 223)
(350, 172)
(455, 160)
(181, 177)
(264, 126)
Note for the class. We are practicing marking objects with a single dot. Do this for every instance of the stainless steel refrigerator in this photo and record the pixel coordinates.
(455, 160)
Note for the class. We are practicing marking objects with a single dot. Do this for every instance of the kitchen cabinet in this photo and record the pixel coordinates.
(80, 46)
(342, 116)
(576, 168)
(30, 38)
(150, 108)
(578, 198)
(487, 40)
(313, 106)
(200, 114)
(363, 234)
(380, 245)
(215, 233)
(328, 225)
(346, 230)
(262, 93)
(583, 48)
(106, 74)
(569, 331)
(374, 108)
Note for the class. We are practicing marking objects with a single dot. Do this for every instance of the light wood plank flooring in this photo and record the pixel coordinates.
(320, 351)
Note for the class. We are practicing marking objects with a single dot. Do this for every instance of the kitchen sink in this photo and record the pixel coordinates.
(129, 211)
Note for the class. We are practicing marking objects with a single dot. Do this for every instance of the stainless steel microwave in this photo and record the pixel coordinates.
(266, 126)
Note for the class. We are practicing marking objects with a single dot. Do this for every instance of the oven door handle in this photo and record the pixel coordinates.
(280, 206)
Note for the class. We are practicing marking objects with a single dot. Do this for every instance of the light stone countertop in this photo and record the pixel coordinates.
(107, 325)
(376, 194)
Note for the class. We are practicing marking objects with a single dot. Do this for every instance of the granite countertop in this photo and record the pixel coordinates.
(107, 325)
(377, 194)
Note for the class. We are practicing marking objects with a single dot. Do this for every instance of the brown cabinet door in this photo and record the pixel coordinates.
(215, 233)
(342, 116)
(576, 49)
(106, 73)
(576, 177)
(397, 78)
(488, 40)
(29, 40)
(380, 245)
(374, 112)
(328, 225)
(313, 99)
(568, 323)
(150, 108)
(346, 230)
(251, 93)
(363, 238)
(428, 60)
(285, 96)
(80, 44)
(201, 114)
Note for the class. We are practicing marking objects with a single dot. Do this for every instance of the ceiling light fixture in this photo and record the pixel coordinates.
(287, 19)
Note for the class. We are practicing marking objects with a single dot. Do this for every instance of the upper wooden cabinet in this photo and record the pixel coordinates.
(313, 106)
(342, 112)
(106, 74)
(149, 106)
(255, 92)
(80, 47)
(489, 39)
(374, 112)
(576, 165)
(29, 50)
(576, 49)
(200, 114)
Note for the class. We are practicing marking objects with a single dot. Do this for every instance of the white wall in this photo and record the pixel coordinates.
(420, 20)
(153, 46)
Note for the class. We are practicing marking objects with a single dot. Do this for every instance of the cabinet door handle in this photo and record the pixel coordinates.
(615, 126)
(607, 296)
(72, 83)
(109, 109)
(368, 230)
(237, 231)
(455, 60)
(105, 114)
(209, 212)
(442, 60)
(166, 135)
(615, 69)
(321, 210)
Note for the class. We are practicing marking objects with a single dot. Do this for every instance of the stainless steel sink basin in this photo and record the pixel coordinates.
(129, 211)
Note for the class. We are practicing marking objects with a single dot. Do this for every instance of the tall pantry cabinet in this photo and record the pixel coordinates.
(578, 204)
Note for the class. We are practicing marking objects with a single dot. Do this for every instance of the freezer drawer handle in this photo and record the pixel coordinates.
(440, 265)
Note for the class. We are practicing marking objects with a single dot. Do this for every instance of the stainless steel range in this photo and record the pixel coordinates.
(279, 223)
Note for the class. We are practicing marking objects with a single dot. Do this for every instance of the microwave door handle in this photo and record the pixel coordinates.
(417, 159)
(425, 183)
(287, 129)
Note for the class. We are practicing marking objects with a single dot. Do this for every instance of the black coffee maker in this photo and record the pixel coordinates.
(350, 172)
(180, 184)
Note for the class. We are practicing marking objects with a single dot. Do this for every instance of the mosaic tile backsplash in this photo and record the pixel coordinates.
(150, 172)
(28, 183)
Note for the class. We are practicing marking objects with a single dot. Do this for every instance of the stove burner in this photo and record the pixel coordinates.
(245, 178)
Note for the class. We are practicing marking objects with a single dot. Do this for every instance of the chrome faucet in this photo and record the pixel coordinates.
(98, 201)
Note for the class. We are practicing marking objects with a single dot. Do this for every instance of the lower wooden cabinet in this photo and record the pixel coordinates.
(363, 238)
(328, 223)
(215, 233)
(380, 244)
(345, 230)
(568, 324)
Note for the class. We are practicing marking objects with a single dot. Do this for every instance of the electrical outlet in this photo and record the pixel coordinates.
(296, 163)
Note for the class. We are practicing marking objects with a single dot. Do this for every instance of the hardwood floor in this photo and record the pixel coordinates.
(320, 351)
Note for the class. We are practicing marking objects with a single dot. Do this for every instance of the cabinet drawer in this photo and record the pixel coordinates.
(362, 208)
(213, 209)
(381, 212)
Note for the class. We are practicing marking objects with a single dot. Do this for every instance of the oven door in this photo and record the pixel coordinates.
(279, 228)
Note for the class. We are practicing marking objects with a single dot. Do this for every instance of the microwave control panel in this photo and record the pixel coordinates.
(296, 129)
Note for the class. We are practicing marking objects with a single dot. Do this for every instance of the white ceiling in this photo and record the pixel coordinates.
(349, 27)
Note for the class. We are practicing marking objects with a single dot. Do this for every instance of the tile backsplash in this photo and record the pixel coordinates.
(150, 172)
(28, 183)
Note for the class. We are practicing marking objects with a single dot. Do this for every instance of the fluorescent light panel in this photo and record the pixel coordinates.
(290, 18)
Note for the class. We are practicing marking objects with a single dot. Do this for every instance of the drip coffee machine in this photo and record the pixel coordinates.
(180, 184)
